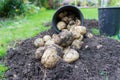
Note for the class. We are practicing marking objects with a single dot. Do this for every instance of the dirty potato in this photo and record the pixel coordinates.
(70, 55)
(66, 38)
(62, 14)
(82, 29)
(77, 44)
(75, 32)
(70, 26)
(77, 22)
(89, 35)
(81, 37)
(61, 25)
(39, 42)
(39, 52)
(58, 48)
(65, 19)
(46, 38)
(50, 58)
(56, 38)
(49, 42)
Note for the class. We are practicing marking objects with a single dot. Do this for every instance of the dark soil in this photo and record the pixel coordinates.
(94, 64)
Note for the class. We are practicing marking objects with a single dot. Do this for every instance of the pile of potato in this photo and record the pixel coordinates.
(63, 45)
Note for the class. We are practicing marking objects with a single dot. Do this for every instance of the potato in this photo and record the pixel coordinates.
(50, 58)
(75, 32)
(81, 37)
(57, 47)
(72, 22)
(49, 42)
(77, 22)
(89, 35)
(66, 38)
(70, 55)
(65, 19)
(70, 26)
(39, 52)
(39, 42)
(46, 38)
(62, 14)
(82, 29)
(72, 16)
(56, 38)
(69, 19)
(77, 44)
(61, 25)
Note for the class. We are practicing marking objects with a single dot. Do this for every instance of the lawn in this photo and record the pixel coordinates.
(29, 26)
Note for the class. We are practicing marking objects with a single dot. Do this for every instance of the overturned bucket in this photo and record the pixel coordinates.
(67, 8)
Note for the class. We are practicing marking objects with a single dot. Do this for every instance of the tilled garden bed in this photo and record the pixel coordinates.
(95, 63)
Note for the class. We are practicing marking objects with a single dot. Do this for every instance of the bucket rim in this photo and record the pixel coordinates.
(109, 8)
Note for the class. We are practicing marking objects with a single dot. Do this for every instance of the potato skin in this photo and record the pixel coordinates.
(49, 42)
(46, 38)
(50, 58)
(66, 38)
(77, 44)
(70, 55)
(39, 42)
(39, 52)
(56, 38)
(61, 25)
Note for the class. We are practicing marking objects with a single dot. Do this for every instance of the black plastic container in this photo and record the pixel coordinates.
(67, 8)
(109, 20)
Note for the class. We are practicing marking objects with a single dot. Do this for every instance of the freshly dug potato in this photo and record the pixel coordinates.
(82, 29)
(49, 42)
(56, 38)
(78, 22)
(89, 35)
(72, 16)
(62, 14)
(77, 44)
(65, 19)
(66, 38)
(70, 55)
(46, 38)
(50, 58)
(72, 22)
(75, 32)
(70, 26)
(69, 19)
(39, 52)
(61, 25)
(39, 42)
(57, 47)
(78, 30)
(80, 38)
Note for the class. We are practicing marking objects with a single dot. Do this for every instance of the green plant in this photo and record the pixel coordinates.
(95, 31)
(11, 8)
(16, 7)
(114, 3)
(29, 9)
(3, 69)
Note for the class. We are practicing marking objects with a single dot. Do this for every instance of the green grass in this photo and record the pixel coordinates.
(90, 13)
(95, 31)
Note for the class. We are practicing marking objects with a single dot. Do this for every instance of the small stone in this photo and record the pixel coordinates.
(99, 46)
